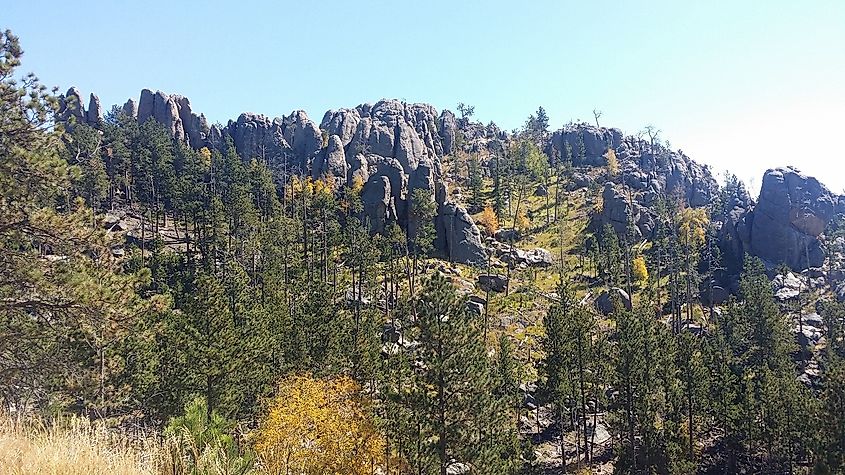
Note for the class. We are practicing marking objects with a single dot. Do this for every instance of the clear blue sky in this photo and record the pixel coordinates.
(740, 85)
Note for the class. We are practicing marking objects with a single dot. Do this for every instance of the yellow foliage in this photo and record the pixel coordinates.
(488, 220)
(357, 185)
(319, 426)
(640, 270)
(205, 156)
(612, 162)
(692, 223)
(324, 186)
(522, 222)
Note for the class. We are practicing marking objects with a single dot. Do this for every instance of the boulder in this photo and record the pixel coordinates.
(458, 235)
(608, 299)
(507, 235)
(620, 211)
(512, 255)
(493, 282)
(808, 337)
(812, 320)
(578, 180)
(715, 295)
(541, 190)
(475, 307)
(539, 257)
(786, 287)
(791, 213)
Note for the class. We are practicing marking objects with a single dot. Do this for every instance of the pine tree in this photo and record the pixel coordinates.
(458, 406)
(65, 299)
(476, 184)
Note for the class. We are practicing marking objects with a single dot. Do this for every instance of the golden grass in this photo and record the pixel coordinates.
(72, 446)
(76, 446)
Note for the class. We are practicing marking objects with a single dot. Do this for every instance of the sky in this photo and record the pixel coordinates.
(739, 85)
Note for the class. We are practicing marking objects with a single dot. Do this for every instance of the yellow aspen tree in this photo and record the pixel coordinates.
(320, 426)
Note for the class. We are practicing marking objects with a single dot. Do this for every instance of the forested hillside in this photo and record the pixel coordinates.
(398, 291)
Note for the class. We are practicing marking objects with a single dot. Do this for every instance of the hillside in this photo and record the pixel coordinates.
(400, 290)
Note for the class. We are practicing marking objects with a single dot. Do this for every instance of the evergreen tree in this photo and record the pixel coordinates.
(461, 419)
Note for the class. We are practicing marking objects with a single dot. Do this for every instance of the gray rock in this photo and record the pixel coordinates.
(475, 307)
(145, 105)
(541, 190)
(195, 127)
(95, 113)
(448, 129)
(331, 162)
(71, 110)
(130, 108)
(539, 257)
(716, 295)
(620, 211)
(512, 255)
(791, 213)
(458, 235)
(493, 282)
(303, 136)
(343, 123)
(595, 141)
(507, 235)
(608, 299)
(578, 180)
(786, 287)
(378, 202)
(813, 320)
(808, 337)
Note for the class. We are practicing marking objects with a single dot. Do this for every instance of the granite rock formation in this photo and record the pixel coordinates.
(174, 112)
(72, 111)
(785, 225)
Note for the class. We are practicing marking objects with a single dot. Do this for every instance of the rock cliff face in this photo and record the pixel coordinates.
(391, 147)
(790, 215)
(651, 171)
(172, 111)
(619, 212)
(72, 111)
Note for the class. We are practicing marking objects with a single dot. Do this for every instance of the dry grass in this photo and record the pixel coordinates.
(71, 446)
(75, 446)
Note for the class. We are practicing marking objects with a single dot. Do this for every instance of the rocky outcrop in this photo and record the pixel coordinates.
(622, 212)
(130, 108)
(95, 112)
(379, 204)
(458, 235)
(448, 128)
(175, 114)
(584, 144)
(790, 215)
(734, 230)
(72, 111)
(331, 162)
(493, 282)
(607, 301)
(651, 170)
